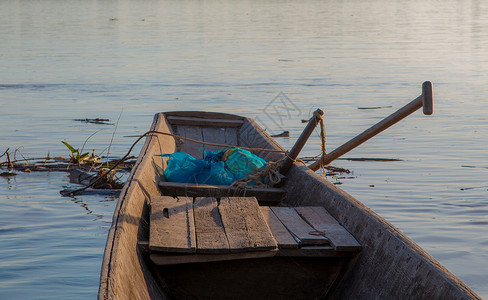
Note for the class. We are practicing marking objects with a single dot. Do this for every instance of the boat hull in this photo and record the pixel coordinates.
(390, 264)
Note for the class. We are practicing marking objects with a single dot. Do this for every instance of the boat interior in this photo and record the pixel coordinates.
(197, 227)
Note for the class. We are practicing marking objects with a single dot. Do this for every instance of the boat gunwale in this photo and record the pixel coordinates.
(105, 291)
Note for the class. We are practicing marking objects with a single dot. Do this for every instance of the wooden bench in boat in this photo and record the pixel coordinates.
(205, 229)
(265, 196)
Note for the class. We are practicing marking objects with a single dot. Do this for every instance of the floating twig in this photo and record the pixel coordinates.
(4, 153)
(474, 187)
(95, 121)
(283, 134)
(375, 107)
(369, 159)
(473, 167)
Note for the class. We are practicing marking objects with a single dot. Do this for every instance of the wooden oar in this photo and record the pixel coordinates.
(424, 100)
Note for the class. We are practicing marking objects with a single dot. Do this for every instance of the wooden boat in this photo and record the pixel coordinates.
(366, 257)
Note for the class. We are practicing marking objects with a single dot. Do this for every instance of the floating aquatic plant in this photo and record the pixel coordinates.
(75, 155)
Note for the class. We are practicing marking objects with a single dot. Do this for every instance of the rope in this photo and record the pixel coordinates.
(322, 139)
(214, 144)
(271, 171)
(322, 166)
(322, 132)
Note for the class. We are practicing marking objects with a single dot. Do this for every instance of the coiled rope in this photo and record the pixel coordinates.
(270, 171)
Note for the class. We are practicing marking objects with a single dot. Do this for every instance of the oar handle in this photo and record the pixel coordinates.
(425, 100)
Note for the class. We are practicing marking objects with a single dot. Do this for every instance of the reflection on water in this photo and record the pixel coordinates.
(87, 209)
(61, 61)
(50, 243)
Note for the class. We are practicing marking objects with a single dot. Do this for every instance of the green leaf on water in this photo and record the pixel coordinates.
(84, 155)
(73, 150)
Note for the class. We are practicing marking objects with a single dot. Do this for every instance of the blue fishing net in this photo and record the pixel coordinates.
(217, 168)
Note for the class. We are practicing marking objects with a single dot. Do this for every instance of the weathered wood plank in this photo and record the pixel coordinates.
(252, 135)
(264, 195)
(280, 233)
(209, 229)
(213, 135)
(314, 251)
(197, 121)
(172, 226)
(244, 225)
(203, 115)
(297, 226)
(194, 133)
(316, 215)
(231, 136)
(322, 221)
(165, 259)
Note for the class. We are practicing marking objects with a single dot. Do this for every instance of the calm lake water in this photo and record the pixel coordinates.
(275, 61)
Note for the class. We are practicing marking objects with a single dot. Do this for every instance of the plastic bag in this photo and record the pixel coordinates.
(215, 173)
(217, 168)
(242, 163)
(182, 167)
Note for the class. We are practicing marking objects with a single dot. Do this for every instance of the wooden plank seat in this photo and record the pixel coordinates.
(265, 196)
(205, 229)
(198, 121)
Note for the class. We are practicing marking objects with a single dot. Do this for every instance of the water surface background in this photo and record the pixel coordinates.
(275, 61)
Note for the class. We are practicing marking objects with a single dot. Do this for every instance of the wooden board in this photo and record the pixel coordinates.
(282, 236)
(213, 135)
(165, 259)
(252, 135)
(219, 135)
(313, 251)
(297, 226)
(232, 136)
(210, 233)
(264, 195)
(203, 115)
(238, 228)
(197, 121)
(172, 226)
(194, 133)
(322, 221)
(244, 225)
